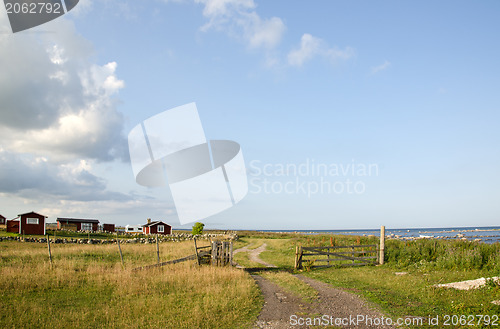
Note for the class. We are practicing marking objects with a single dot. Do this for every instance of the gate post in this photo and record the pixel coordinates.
(382, 245)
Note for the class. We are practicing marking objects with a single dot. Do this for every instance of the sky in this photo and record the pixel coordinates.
(349, 114)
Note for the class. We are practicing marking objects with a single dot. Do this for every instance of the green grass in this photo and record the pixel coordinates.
(86, 287)
(413, 294)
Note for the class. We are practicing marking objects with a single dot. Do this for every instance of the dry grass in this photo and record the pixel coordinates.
(87, 288)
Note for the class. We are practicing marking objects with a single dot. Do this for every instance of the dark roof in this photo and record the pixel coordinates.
(32, 213)
(155, 223)
(77, 220)
(2, 217)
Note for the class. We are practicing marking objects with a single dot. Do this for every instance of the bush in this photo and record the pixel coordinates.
(440, 254)
(198, 228)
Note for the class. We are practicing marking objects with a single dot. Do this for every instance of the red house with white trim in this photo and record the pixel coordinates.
(156, 227)
(28, 223)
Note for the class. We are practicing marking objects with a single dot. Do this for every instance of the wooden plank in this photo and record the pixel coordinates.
(296, 259)
(175, 261)
(342, 259)
(48, 246)
(340, 247)
(330, 260)
(343, 265)
(157, 249)
(196, 252)
(382, 245)
(337, 255)
(340, 253)
(120, 249)
(331, 253)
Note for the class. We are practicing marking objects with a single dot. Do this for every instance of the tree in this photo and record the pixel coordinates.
(198, 228)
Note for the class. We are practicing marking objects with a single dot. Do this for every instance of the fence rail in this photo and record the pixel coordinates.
(356, 255)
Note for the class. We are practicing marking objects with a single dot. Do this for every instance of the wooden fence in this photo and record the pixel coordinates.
(218, 253)
(355, 255)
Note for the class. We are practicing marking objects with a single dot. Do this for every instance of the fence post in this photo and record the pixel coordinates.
(48, 247)
(296, 261)
(352, 254)
(196, 252)
(382, 245)
(300, 257)
(120, 249)
(328, 256)
(231, 253)
(157, 249)
(214, 253)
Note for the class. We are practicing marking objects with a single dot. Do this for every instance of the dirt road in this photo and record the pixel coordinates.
(334, 306)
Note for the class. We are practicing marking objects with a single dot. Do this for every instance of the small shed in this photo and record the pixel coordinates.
(77, 224)
(2, 220)
(28, 223)
(108, 228)
(157, 227)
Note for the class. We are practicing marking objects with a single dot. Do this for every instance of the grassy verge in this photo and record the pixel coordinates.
(87, 288)
(243, 259)
(413, 294)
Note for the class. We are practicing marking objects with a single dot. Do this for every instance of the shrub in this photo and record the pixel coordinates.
(198, 228)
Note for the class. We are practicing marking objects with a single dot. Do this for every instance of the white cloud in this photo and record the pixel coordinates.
(56, 103)
(311, 47)
(58, 117)
(380, 67)
(239, 19)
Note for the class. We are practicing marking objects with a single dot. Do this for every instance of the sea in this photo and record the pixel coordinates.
(488, 234)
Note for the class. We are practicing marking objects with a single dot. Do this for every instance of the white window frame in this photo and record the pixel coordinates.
(31, 219)
(161, 228)
(88, 227)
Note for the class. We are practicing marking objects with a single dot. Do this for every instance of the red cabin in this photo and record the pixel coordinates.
(77, 224)
(28, 223)
(156, 227)
(108, 227)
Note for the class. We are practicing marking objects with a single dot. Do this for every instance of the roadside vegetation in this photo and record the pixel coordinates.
(404, 285)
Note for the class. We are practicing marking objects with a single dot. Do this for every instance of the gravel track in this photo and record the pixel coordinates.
(280, 306)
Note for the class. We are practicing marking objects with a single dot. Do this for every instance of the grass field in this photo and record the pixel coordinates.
(87, 288)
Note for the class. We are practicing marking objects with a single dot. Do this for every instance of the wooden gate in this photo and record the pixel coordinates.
(218, 253)
(355, 255)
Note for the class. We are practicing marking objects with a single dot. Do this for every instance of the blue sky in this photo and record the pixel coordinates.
(411, 87)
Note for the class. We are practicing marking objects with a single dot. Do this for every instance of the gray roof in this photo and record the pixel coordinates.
(77, 220)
